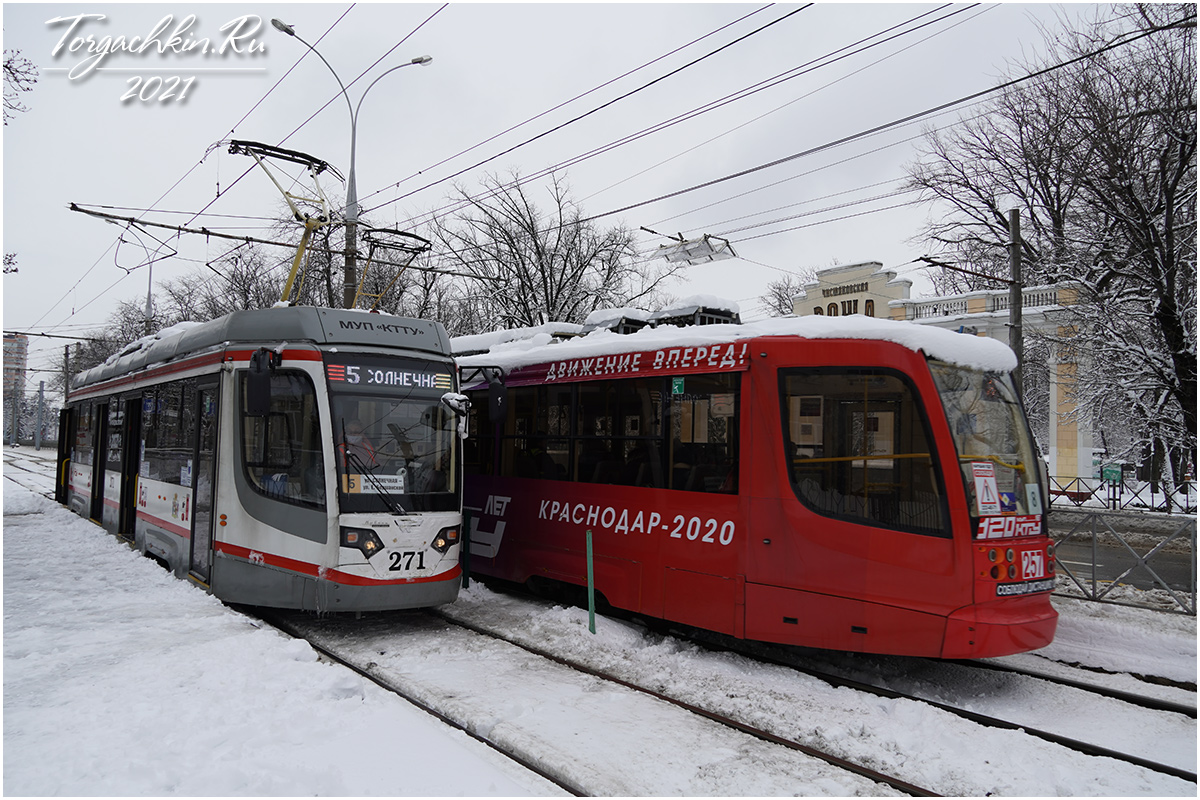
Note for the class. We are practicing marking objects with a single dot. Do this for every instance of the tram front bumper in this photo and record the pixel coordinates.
(1000, 628)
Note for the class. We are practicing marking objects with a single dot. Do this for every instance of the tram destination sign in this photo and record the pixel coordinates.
(370, 374)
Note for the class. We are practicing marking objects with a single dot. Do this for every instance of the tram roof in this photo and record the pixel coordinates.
(272, 327)
(539, 347)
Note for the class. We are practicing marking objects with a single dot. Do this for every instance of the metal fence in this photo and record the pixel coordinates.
(1095, 527)
(1121, 495)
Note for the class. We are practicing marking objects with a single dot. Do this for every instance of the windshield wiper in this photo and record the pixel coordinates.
(353, 459)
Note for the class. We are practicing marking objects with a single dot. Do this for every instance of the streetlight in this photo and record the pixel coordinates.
(350, 281)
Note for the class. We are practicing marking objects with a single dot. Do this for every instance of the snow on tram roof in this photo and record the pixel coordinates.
(538, 346)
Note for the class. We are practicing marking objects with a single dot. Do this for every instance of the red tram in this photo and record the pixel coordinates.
(841, 483)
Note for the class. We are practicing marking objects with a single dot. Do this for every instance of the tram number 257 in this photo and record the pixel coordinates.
(403, 561)
(705, 531)
(1033, 565)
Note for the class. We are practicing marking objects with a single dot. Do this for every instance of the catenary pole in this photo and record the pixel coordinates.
(1015, 338)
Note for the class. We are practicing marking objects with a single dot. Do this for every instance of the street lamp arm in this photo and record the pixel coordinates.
(290, 31)
(351, 215)
(421, 60)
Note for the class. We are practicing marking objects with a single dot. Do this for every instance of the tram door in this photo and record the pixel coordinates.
(131, 436)
(99, 459)
(66, 440)
(204, 480)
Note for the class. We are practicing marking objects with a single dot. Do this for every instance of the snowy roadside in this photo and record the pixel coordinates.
(121, 680)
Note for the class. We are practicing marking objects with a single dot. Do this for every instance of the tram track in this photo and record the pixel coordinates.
(1087, 748)
(1151, 680)
(371, 672)
(309, 630)
(790, 659)
(1144, 701)
(26, 473)
(381, 677)
(721, 719)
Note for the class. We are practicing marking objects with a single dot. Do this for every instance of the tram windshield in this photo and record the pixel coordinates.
(996, 453)
(396, 443)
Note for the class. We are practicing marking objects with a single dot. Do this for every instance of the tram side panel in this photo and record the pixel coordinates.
(78, 425)
(166, 441)
(827, 568)
(271, 532)
(651, 472)
(848, 527)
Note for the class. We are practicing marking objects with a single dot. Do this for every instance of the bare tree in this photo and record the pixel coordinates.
(1100, 157)
(550, 266)
(780, 293)
(1139, 267)
(20, 75)
(1017, 153)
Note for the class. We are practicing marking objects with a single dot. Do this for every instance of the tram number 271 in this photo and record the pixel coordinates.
(402, 562)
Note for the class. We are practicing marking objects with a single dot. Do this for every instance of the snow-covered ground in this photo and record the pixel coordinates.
(121, 680)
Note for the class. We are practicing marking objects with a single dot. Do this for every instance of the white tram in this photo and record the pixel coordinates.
(291, 457)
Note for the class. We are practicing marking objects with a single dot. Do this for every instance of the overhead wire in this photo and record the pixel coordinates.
(196, 215)
(280, 267)
(854, 137)
(561, 105)
(335, 97)
(799, 70)
(183, 178)
(603, 106)
(870, 131)
(806, 69)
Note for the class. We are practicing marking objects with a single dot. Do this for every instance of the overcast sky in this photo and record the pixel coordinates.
(495, 66)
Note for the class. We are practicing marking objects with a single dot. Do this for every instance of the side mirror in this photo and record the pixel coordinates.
(457, 404)
(258, 382)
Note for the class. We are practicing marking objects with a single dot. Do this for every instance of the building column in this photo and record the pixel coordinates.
(1070, 433)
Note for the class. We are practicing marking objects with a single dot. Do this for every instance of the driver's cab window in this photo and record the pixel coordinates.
(393, 446)
(281, 450)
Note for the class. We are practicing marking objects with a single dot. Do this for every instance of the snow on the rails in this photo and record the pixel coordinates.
(122, 680)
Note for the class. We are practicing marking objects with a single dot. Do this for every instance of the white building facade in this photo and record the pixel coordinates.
(873, 291)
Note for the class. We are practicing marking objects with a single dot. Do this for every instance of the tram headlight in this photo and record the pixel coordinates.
(445, 539)
(364, 540)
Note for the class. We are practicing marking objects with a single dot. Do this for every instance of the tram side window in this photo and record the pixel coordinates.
(168, 432)
(83, 449)
(703, 449)
(116, 416)
(625, 432)
(859, 448)
(619, 426)
(479, 446)
(535, 443)
(282, 451)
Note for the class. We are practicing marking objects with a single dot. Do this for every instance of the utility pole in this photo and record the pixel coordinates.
(37, 432)
(17, 400)
(1015, 338)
